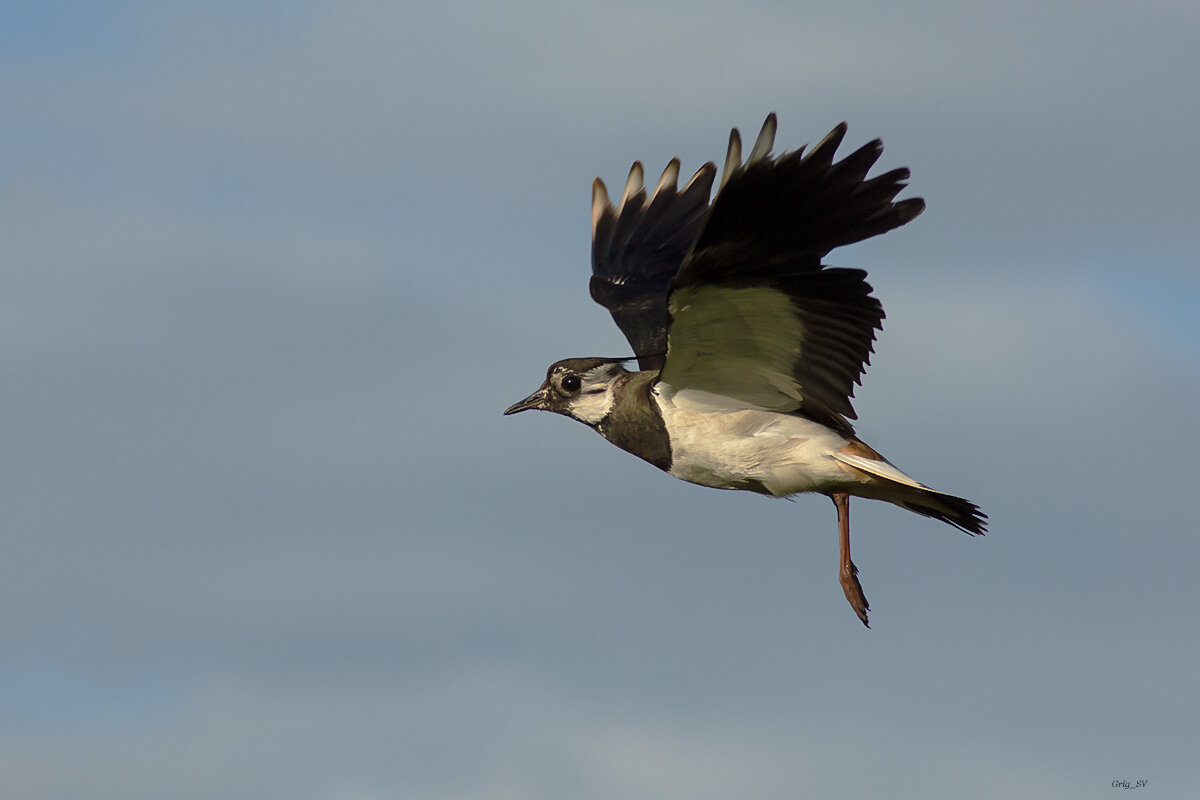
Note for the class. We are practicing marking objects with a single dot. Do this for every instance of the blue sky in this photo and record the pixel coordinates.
(272, 271)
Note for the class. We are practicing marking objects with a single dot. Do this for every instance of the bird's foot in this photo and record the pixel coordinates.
(854, 592)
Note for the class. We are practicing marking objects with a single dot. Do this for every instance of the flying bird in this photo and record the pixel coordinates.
(747, 346)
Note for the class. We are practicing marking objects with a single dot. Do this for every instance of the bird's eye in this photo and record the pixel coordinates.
(570, 383)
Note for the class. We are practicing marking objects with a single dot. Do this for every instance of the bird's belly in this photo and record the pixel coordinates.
(765, 451)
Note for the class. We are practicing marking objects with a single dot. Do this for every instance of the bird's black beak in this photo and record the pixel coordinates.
(535, 400)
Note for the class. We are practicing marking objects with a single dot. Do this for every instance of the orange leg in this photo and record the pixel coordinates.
(849, 572)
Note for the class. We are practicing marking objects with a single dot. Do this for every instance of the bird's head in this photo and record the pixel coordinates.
(580, 388)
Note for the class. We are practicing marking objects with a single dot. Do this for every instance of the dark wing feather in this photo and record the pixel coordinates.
(754, 315)
(637, 248)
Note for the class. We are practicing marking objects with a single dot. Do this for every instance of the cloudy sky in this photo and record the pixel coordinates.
(271, 271)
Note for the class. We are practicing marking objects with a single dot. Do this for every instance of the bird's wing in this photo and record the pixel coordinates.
(637, 247)
(753, 314)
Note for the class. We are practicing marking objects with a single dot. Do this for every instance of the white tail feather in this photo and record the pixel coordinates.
(881, 469)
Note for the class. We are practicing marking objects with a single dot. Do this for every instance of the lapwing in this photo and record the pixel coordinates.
(747, 345)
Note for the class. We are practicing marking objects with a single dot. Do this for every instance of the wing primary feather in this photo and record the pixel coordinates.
(670, 177)
(690, 204)
(822, 154)
(628, 213)
(599, 203)
(906, 210)
(703, 177)
(733, 157)
(633, 185)
(852, 169)
(765, 141)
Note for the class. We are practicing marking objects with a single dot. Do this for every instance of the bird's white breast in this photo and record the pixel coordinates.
(719, 442)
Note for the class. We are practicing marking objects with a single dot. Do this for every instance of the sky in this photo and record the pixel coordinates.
(271, 272)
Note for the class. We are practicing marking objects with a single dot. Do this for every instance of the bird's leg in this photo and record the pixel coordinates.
(849, 572)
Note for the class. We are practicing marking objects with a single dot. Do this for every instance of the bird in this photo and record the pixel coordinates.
(748, 346)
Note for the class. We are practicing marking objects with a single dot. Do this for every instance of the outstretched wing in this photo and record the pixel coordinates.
(637, 248)
(753, 314)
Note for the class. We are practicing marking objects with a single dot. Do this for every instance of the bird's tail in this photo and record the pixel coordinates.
(956, 511)
(894, 486)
